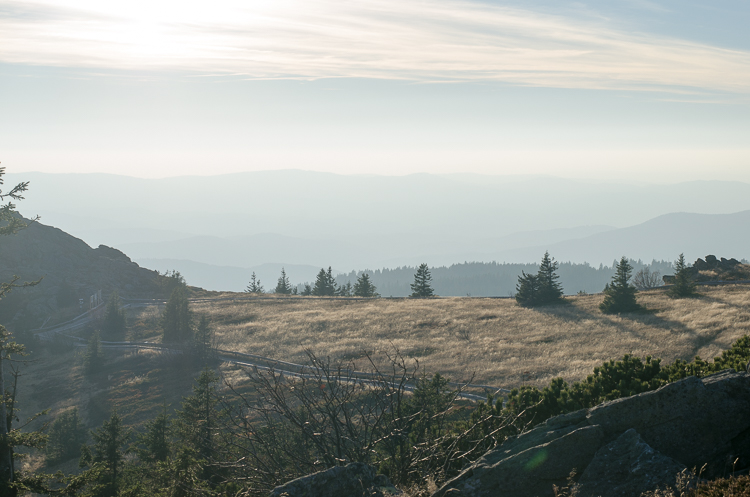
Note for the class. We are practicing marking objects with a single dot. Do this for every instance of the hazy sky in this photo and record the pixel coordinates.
(637, 89)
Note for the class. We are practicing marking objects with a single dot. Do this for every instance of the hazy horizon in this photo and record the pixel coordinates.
(212, 227)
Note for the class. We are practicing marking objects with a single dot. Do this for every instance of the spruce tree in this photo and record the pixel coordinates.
(155, 442)
(345, 290)
(364, 287)
(9, 437)
(527, 290)
(325, 284)
(421, 287)
(550, 289)
(170, 280)
(203, 341)
(108, 448)
(198, 422)
(10, 221)
(177, 321)
(684, 285)
(331, 282)
(619, 294)
(114, 322)
(254, 286)
(282, 285)
(66, 435)
(93, 359)
(542, 288)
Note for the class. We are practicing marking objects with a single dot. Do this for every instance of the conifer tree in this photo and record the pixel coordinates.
(109, 449)
(345, 290)
(619, 294)
(307, 290)
(155, 442)
(254, 286)
(325, 284)
(170, 280)
(114, 322)
(550, 289)
(282, 285)
(542, 288)
(204, 341)
(364, 287)
(527, 290)
(93, 359)
(198, 424)
(421, 288)
(177, 321)
(66, 435)
(8, 348)
(10, 221)
(684, 285)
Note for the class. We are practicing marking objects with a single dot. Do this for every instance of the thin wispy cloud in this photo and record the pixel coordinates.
(388, 39)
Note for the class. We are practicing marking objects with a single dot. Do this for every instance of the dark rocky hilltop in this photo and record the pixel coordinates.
(69, 269)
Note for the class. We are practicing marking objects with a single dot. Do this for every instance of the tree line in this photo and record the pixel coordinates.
(543, 288)
(493, 279)
(325, 285)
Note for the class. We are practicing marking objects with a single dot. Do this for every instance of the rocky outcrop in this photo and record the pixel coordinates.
(70, 269)
(628, 445)
(352, 480)
(715, 269)
(627, 467)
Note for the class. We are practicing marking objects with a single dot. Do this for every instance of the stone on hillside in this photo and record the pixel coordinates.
(627, 467)
(689, 422)
(353, 480)
(531, 472)
(692, 421)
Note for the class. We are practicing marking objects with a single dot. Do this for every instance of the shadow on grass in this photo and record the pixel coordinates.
(622, 322)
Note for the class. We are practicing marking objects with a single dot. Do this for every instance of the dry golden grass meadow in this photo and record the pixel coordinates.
(496, 340)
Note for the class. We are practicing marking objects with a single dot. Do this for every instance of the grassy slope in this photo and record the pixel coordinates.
(136, 385)
(493, 338)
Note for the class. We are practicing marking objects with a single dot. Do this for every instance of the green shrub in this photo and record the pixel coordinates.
(529, 406)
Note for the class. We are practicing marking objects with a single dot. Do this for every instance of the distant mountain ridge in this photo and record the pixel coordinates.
(661, 239)
(460, 209)
(665, 237)
(309, 219)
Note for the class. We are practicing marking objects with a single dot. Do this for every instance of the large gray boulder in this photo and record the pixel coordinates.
(353, 480)
(627, 467)
(534, 470)
(688, 423)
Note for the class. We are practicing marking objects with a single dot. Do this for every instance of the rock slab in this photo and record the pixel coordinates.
(627, 444)
(352, 480)
(626, 467)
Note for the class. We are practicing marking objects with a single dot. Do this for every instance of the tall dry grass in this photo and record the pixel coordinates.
(494, 339)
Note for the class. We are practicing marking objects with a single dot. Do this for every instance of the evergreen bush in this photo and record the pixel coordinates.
(619, 294)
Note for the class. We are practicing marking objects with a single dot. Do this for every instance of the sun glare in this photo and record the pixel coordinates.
(384, 39)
